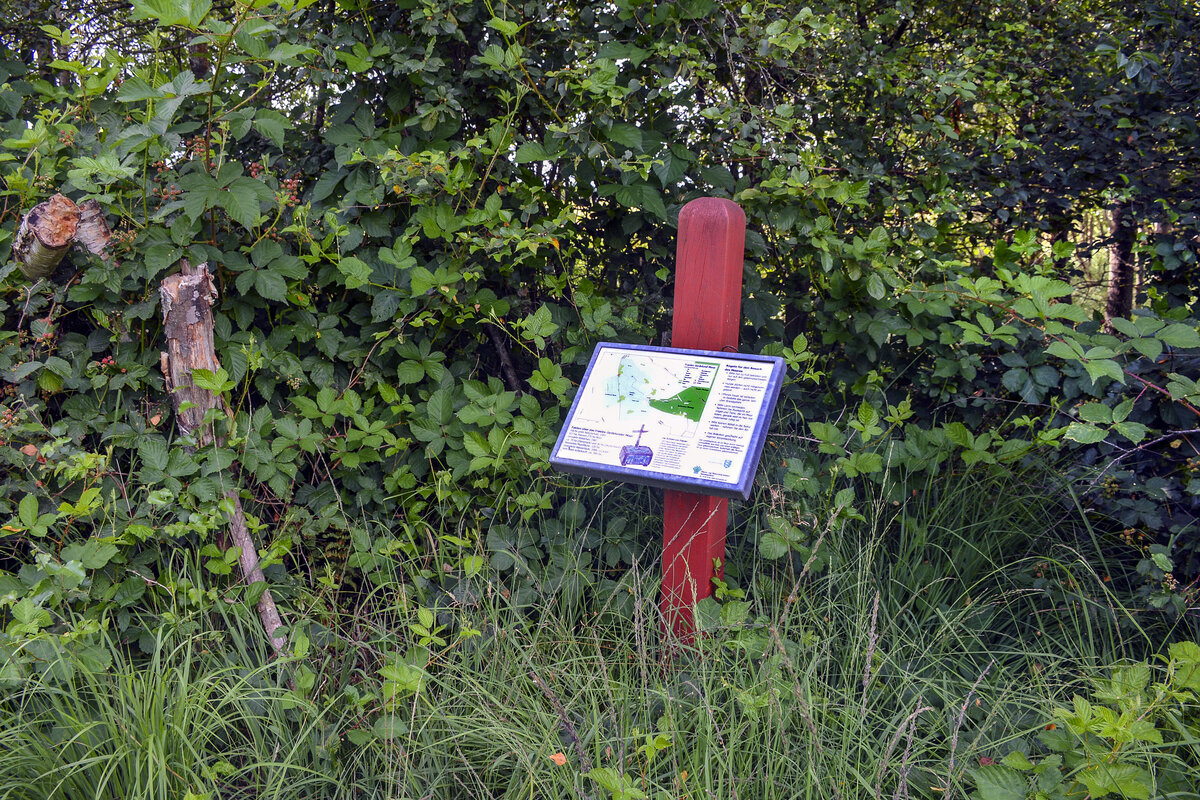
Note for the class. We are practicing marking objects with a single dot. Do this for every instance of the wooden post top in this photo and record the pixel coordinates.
(708, 275)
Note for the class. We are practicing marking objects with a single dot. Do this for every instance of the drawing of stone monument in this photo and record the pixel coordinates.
(638, 454)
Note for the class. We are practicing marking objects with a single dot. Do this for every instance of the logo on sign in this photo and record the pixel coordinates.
(728, 463)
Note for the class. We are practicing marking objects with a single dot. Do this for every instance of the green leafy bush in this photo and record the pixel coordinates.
(1135, 737)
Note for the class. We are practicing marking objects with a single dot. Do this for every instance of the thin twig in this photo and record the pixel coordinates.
(795, 593)
(962, 715)
(902, 787)
(1142, 446)
(801, 703)
(910, 720)
(585, 763)
(871, 642)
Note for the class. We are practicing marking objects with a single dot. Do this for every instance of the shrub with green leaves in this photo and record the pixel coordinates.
(1135, 737)
(421, 217)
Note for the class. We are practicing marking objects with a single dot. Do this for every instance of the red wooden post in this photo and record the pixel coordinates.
(708, 311)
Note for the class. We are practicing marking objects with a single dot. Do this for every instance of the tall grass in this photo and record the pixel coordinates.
(920, 650)
(940, 633)
(194, 716)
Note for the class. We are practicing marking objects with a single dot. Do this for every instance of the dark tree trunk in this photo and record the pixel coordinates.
(1122, 270)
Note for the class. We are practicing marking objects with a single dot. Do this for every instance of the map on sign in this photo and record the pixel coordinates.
(668, 393)
(665, 417)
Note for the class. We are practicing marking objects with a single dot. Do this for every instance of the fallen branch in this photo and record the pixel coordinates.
(187, 299)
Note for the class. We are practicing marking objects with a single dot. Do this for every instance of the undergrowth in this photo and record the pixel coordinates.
(892, 656)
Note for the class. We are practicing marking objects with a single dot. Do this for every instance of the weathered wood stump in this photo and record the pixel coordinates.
(45, 235)
(93, 231)
(187, 299)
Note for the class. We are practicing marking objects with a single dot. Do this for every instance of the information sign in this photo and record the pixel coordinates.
(693, 420)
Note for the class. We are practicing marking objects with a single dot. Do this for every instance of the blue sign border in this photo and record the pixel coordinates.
(758, 437)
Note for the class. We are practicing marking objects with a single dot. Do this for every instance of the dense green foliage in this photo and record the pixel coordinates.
(916, 658)
(421, 216)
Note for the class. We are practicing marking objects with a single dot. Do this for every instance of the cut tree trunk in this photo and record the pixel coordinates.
(93, 233)
(1122, 270)
(187, 299)
(45, 236)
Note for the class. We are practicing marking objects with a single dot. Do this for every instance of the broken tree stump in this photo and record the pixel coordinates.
(187, 299)
(45, 235)
(93, 231)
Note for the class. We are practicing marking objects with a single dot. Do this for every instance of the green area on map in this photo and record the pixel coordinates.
(688, 403)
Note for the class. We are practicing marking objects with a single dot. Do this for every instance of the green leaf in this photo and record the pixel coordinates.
(184, 13)
(1127, 780)
(27, 511)
(390, 726)
(1180, 335)
(409, 372)
(827, 432)
(617, 51)
(1068, 350)
(1131, 680)
(475, 444)
(1185, 662)
(867, 415)
(1104, 367)
(441, 406)
(355, 271)
(533, 151)
(621, 787)
(875, 286)
(735, 612)
(384, 305)
(998, 782)
(957, 433)
(92, 554)
(1095, 413)
(161, 257)
(863, 463)
(153, 452)
(1133, 431)
(92, 174)
(136, 89)
(1150, 348)
(272, 125)
(720, 177)
(241, 199)
(1144, 730)
(507, 28)
(357, 59)
(270, 286)
(773, 545)
(1017, 760)
(26, 612)
(628, 135)
(1085, 434)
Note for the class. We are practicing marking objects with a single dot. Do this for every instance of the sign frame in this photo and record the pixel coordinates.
(648, 477)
